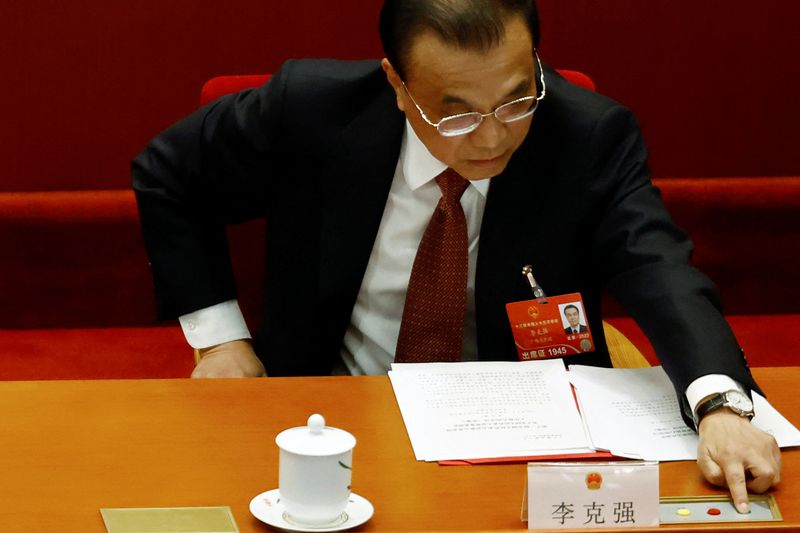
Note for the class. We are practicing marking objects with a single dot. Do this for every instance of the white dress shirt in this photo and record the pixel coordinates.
(370, 340)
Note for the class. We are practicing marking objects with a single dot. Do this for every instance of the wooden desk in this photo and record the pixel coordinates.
(68, 448)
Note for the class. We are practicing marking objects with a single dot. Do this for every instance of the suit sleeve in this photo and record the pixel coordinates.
(645, 263)
(218, 166)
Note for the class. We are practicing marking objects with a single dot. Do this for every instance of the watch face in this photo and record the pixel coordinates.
(739, 401)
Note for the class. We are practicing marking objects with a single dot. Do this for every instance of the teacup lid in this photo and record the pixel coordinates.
(315, 439)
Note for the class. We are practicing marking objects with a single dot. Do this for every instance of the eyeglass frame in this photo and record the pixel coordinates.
(527, 114)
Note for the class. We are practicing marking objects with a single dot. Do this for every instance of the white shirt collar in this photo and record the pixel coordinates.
(420, 167)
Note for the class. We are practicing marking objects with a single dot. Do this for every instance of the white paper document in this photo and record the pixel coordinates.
(634, 412)
(483, 410)
(488, 409)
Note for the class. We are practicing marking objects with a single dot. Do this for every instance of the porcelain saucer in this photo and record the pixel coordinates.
(268, 508)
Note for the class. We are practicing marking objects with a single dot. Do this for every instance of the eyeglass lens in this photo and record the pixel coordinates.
(506, 113)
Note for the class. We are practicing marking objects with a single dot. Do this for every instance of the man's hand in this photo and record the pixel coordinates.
(235, 359)
(733, 452)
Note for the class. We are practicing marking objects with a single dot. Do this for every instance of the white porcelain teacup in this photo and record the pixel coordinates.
(315, 471)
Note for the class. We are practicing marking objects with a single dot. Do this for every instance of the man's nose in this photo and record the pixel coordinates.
(489, 134)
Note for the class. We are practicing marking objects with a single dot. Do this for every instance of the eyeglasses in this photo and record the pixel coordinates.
(463, 123)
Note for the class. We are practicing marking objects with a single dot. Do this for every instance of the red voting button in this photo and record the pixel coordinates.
(713, 511)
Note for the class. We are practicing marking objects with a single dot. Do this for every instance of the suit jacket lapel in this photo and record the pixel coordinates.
(517, 230)
(356, 185)
(527, 210)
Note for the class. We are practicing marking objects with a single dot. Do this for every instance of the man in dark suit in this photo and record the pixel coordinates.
(573, 316)
(348, 168)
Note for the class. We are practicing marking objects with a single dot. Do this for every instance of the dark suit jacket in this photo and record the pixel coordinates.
(315, 150)
(581, 329)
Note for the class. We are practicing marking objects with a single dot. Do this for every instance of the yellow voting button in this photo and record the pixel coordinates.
(683, 511)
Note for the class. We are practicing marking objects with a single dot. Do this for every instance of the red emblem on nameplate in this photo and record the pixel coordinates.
(550, 327)
(594, 481)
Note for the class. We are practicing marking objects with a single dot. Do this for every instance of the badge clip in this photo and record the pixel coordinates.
(538, 292)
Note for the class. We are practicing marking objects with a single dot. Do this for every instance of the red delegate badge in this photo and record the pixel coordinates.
(553, 326)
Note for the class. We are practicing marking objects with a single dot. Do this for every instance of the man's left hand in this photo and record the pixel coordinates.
(733, 452)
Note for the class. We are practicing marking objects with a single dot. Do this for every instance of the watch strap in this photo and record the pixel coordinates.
(707, 406)
(714, 402)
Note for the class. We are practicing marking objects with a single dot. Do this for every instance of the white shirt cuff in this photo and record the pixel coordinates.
(214, 325)
(705, 386)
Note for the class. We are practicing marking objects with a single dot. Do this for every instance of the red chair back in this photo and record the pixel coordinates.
(578, 78)
(222, 85)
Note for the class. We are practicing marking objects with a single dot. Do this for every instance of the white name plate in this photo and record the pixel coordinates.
(592, 495)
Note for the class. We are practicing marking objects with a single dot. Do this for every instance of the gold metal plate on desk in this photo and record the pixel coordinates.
(170, 520)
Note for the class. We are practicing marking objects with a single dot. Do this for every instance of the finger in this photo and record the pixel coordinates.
(710, 469)
(762, 479)
(735, 478)
(776, 457)
(765, 474)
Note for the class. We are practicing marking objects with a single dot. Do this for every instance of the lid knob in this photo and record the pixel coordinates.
(315, 424)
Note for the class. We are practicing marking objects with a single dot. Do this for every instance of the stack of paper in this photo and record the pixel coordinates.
(484, 410)
(634, 412)
(488, 409)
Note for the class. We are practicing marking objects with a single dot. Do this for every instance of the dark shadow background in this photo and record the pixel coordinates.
(84, 84)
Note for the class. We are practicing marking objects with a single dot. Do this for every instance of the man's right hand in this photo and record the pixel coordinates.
(235, 359)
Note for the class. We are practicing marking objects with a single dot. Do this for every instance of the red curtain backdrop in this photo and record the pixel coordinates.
(86, 83)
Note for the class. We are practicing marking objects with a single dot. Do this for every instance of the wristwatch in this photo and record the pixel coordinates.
(735, 400)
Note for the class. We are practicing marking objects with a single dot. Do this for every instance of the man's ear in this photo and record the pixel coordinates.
(395, 81)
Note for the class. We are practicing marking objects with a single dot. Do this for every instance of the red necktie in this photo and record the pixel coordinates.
(436, 302)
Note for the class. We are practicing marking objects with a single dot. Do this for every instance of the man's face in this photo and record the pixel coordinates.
(446, 80)
(573, 317)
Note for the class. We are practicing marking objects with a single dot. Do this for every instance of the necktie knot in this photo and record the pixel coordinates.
(452, 186)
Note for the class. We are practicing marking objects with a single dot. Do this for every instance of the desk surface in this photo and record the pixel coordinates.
(69, 448)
